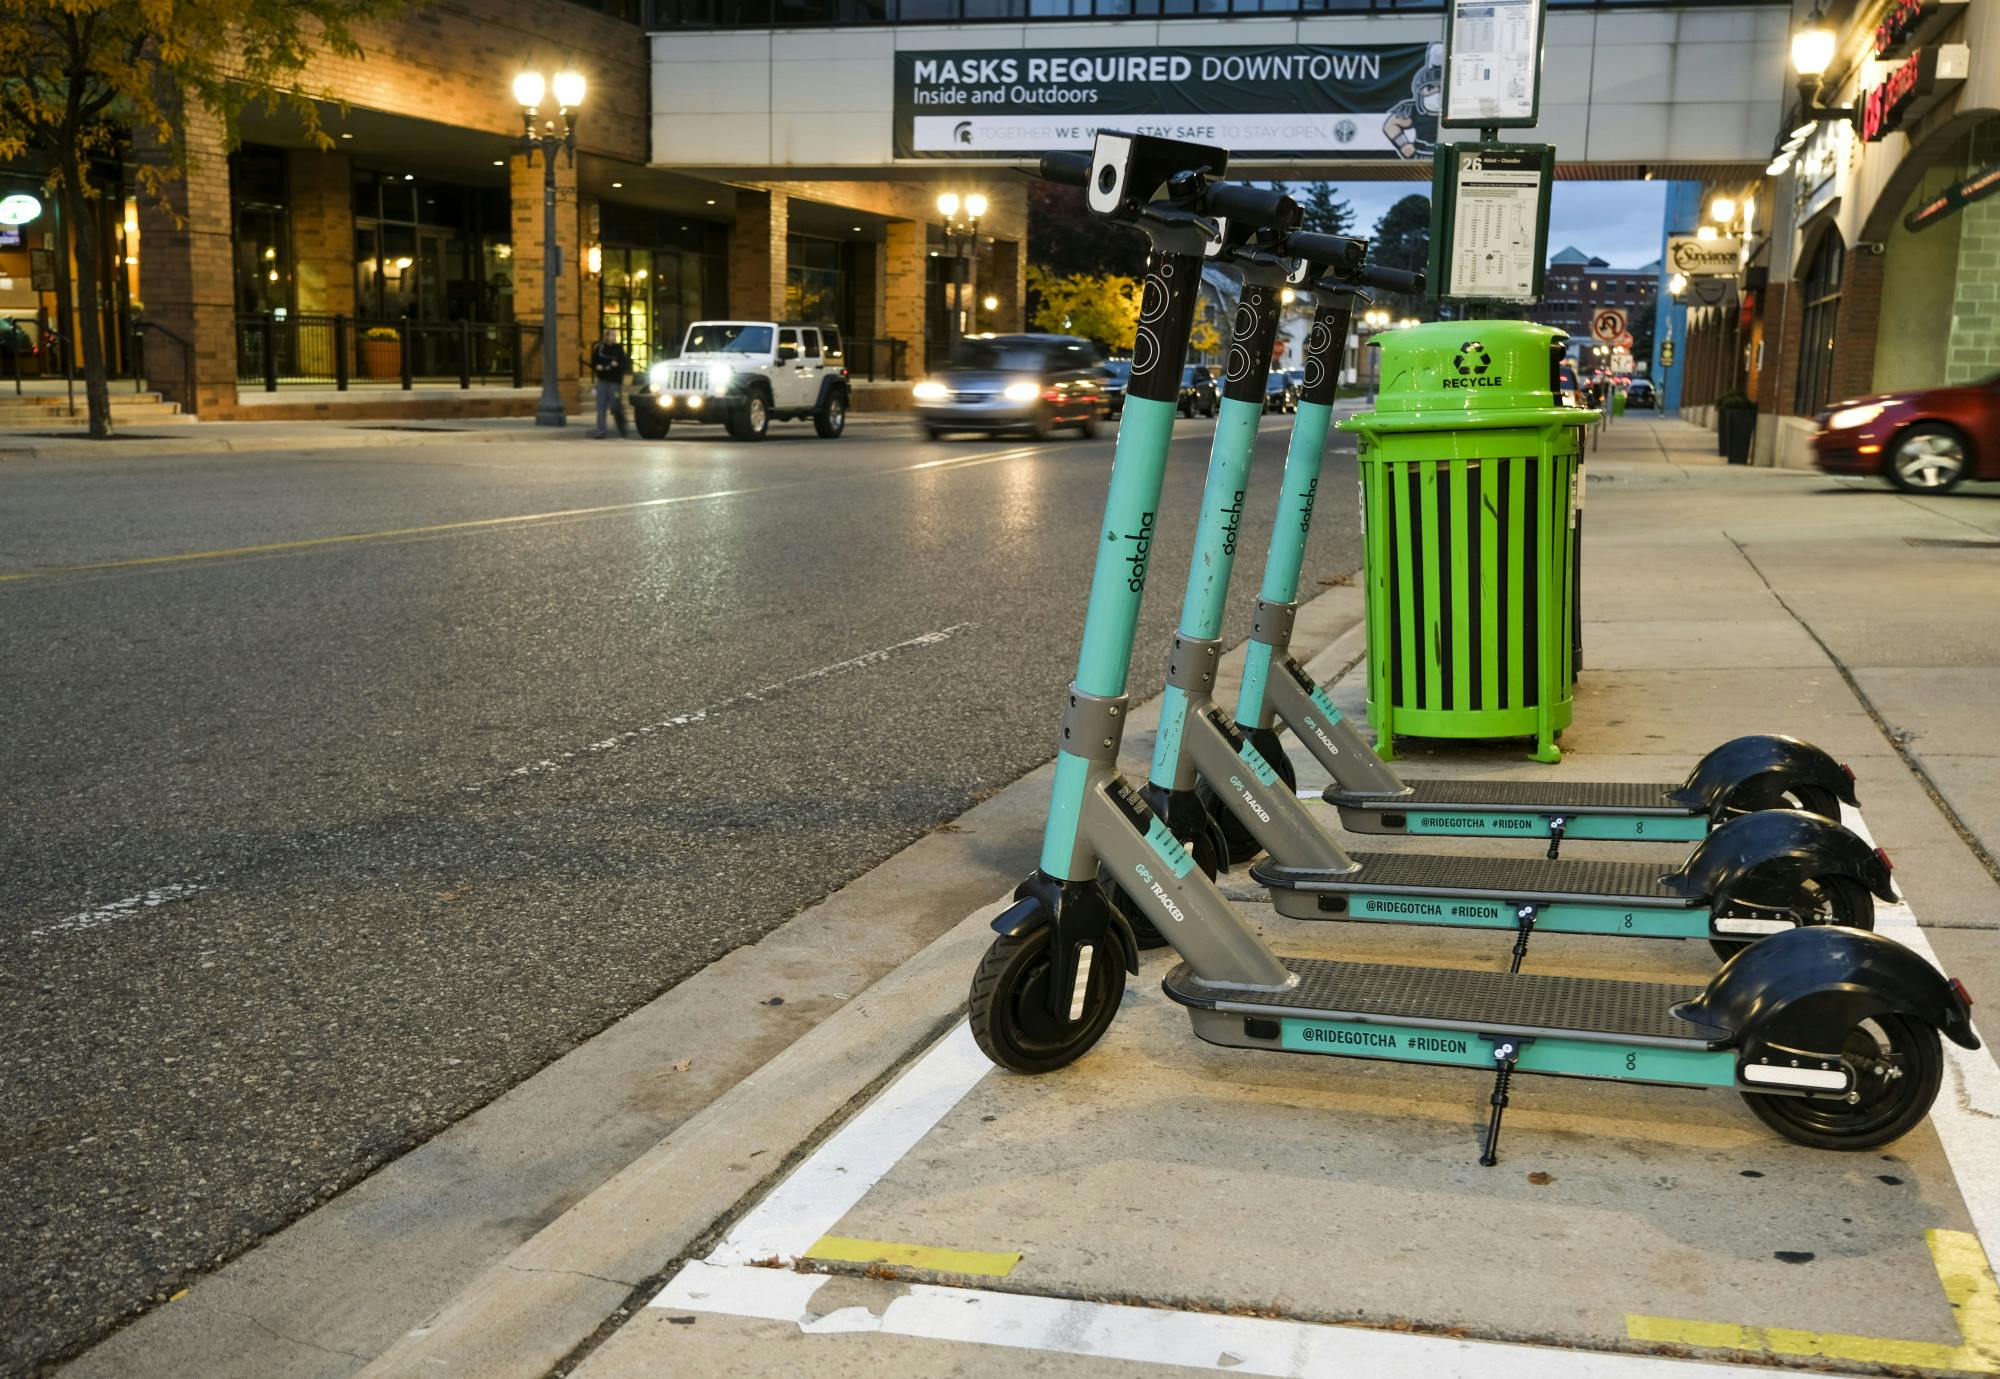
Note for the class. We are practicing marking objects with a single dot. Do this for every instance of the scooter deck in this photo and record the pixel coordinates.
(1592, 1009)
(1580, 797)
(1607, 811)
(1527, 880)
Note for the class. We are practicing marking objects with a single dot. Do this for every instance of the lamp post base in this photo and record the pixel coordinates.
(550, 411)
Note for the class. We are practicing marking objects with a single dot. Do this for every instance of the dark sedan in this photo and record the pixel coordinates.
(1639, 393)
(1031, 383)
(1279, 394)
(1199, 393)
(1922, 442)
(1117, 378)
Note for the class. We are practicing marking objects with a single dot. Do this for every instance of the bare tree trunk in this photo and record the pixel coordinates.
(80, 213)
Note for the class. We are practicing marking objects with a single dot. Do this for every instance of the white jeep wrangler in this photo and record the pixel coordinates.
(744, 374)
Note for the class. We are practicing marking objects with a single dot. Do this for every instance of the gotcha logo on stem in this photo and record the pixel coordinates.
(1471, 367)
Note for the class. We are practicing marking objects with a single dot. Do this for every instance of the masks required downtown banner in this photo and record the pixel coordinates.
(1356, 101)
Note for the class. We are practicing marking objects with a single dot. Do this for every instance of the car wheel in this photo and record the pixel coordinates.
(651, 422)
(1087, 427)
(1039, 428)
(936, 433)
(1928, 458)
(1185, 408)
(752, 420)
(831, 420)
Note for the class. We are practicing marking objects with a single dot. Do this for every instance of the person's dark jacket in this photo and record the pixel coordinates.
(610, 362)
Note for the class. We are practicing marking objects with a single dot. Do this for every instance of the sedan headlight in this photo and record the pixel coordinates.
(930, 390)
(1847, 418)
(719, 376)
(1023, 391)
(656, 377)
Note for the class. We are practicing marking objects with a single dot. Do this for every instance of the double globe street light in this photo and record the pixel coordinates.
(548, 135)
(960, 233)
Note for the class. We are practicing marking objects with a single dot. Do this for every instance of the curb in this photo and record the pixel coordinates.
(540, 1303)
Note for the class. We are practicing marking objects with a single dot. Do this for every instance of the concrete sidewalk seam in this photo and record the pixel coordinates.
(1909, 760)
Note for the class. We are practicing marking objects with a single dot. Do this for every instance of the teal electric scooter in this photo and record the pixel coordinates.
(1754, 876)
(1831, 1034)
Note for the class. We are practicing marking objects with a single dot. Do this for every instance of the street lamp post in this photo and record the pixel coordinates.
(960, 234)
(560, 132)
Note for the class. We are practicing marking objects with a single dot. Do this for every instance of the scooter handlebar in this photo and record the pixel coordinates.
(1258, 206)
(1390, 279)
(1072, 169)
(1337, 253)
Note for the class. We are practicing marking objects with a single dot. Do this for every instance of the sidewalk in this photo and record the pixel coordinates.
(874, 1199)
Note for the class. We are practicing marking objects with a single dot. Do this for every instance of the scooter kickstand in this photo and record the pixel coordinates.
(1505, 1053)
(1524, 928)
(1557, 826)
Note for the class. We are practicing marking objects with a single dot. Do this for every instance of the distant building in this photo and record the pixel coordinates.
(1577, 284)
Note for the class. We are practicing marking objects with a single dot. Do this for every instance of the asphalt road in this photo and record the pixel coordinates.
(416, 766)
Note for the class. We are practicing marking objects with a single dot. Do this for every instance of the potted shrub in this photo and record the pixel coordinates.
(1735, 426)
(381, 352)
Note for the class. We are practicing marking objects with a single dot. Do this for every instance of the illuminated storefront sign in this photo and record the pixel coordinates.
(1914, 86)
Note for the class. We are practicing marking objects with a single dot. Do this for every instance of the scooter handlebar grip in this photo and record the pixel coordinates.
(1256, 206)
(1337, 252)
(1072, 169)
(1390, 279)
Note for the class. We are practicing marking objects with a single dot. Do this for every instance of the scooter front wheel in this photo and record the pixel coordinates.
(1009, 1005)
(1820, 900)
(1897, 1063)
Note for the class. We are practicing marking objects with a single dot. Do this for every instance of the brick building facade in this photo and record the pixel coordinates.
(422, 218)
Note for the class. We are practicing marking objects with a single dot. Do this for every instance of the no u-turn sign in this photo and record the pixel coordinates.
(1607, 323)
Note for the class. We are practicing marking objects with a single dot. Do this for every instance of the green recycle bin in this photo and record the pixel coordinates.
(1469, 477)
(1617, 402)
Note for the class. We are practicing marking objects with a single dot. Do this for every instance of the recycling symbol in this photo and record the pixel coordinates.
(1472, 359)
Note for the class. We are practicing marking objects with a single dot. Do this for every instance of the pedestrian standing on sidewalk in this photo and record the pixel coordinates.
(611, 365)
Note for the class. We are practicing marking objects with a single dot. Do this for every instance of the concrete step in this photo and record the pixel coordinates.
(53, 411)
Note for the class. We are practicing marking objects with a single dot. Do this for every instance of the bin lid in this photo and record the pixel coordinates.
(1466, 372)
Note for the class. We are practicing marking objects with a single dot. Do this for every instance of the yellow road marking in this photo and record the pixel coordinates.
(1968, 1285)
(845, 1251)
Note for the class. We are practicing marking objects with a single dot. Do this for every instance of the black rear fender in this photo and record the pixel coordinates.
(829, 389)
(1762, 858)
(1760, 766)
(1798, 993)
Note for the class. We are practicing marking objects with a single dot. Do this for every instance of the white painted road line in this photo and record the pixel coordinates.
(97, 916)
(1150, 1335)
(761, 695)
(839, 1174)
(1966, 1114)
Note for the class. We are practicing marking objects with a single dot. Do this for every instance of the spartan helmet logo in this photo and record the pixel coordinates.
(1472, 360)
(1428, 85)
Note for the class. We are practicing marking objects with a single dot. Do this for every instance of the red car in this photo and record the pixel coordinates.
(1923, 442)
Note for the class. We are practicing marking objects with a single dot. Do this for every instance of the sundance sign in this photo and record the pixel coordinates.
(1704, 258)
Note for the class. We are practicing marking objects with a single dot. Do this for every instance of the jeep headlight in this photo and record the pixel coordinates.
(1023, 391)
(656, 377)
(719, 376)
(930, 390)
(1848, 418)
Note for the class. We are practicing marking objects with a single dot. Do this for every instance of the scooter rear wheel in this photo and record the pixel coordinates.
(1898, 1064)
(1821, 900)
(1771, 793)
(1009, 1010)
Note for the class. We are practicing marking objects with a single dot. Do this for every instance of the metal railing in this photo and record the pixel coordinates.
(781, 14)
(876, 359)
(142, 370)
(307, 350)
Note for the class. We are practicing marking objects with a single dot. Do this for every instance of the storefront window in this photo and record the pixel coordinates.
(433, 251)
(817, 274)
(1821, 299)
(659, 274)
(263, 229)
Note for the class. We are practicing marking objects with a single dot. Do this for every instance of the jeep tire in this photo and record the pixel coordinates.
(830, 420)
(651, 423)
(750, 418)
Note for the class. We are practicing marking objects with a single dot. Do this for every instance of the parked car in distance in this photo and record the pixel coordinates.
(1927, 441)
(1279, 394)
(1199, 394)
(1639, 393)
(1031, 383)
(747, 374)
(1569, 391)
(1117, 378)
